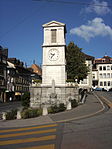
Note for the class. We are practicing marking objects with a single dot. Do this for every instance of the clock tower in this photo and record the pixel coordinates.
(54, 89)
(53, 65)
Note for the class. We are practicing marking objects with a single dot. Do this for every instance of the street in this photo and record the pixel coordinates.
(106, 94)
(89, 132)
(9, 105)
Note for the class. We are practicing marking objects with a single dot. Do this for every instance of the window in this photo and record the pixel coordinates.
(100, 75)
(104, 75)
(108, 75)
(105, 83)
(53, 36)
(101, 83)
(104, 67)
(108, 67)
(1, 71)
(108, 83)
(100, 68)
(93, 76)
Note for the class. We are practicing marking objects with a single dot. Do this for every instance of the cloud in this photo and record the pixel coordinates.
(98, 7)
(94, 28)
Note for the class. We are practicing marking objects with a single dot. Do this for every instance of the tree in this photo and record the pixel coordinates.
(75, 63)
(25, 101)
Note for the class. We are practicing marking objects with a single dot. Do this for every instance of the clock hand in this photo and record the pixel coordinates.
(52, 55)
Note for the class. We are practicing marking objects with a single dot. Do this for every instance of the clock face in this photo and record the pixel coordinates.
(53, 54)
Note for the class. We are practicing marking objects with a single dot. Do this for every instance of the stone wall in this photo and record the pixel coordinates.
(45, 95)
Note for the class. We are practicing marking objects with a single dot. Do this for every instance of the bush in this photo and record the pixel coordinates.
(56, 109)
(62, 107)
(25, 100)
(70, 80)
(11, 114)
(37, 81)
(30, 113)
(74, 103)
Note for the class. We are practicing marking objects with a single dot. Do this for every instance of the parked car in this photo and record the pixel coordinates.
(98, 89)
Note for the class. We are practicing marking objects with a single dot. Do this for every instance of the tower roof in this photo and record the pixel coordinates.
(54, 24)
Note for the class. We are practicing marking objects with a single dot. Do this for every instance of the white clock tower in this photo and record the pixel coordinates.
(54, 54)
(53, 89)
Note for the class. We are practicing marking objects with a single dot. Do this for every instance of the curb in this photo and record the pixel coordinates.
(85, 116)
(107, 101)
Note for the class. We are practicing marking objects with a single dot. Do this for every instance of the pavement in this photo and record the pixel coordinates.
(91, 107)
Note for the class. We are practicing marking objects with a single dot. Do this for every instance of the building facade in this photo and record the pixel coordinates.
(102, 73)
(36, 74)
(3, 73)
(86, 83)
(18, 79)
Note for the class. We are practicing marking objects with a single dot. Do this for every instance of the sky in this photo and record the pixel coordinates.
(88, 23)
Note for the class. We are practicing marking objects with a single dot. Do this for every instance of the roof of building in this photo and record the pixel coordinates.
(36, 69)
(88, 57)
(16, 61)
(10, 65)
(104, 60)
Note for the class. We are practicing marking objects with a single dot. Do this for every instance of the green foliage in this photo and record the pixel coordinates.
(74, 103)
(30, 113)
(75, 66)
(62, 107)
(25, 100)
(56, 109)
(11, 114)
(37, 81)
(70, 80)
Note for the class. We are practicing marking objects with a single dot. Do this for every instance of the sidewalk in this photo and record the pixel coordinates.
(91, 106)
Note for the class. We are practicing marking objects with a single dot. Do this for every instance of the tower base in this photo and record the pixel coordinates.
(41, 95)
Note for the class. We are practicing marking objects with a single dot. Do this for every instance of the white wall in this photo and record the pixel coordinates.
(104, 76)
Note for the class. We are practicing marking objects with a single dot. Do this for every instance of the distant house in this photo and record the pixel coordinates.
(36, 69)
(3, 73)
(19, 79)
(36, 74)
(86, 83)
(102, 73)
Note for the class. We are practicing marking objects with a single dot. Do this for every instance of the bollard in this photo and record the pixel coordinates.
(45, 111)
(18, 115)
(4, 115)
(69, 107)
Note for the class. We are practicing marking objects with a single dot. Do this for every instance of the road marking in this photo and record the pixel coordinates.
(107, 101)
(27, 140)
(28, 128)
(51, 146)
(27, 133)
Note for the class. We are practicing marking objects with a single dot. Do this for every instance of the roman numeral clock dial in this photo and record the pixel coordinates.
(53, 54)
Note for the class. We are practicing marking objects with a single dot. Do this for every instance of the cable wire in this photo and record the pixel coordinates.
(71, 2)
